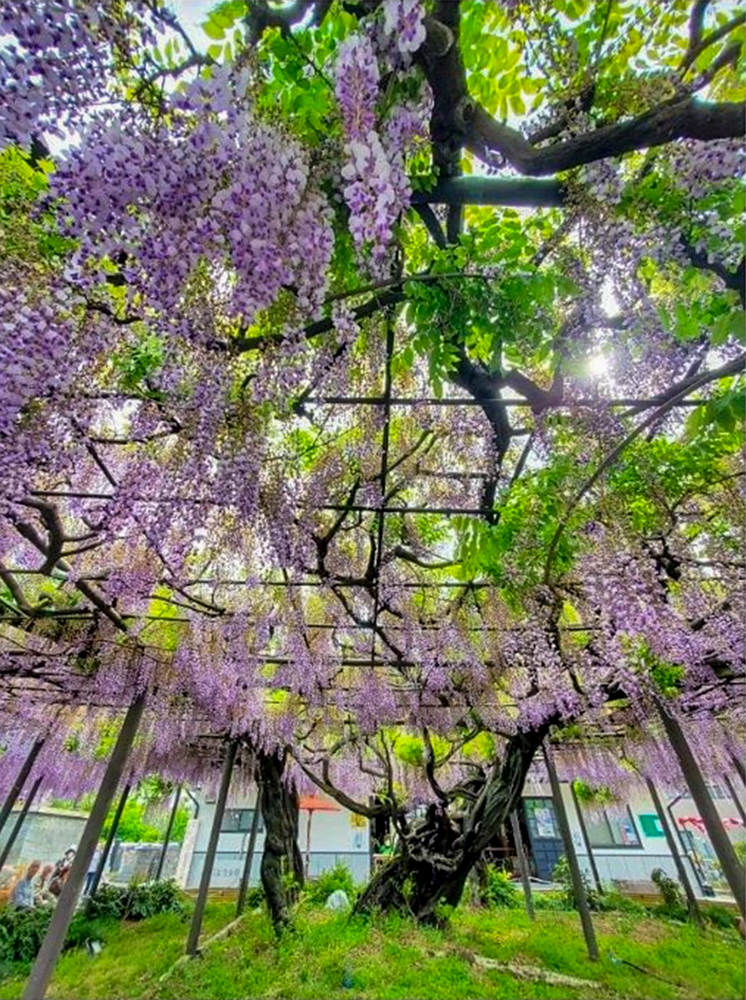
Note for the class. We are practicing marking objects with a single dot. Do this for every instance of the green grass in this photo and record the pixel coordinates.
(391, 958)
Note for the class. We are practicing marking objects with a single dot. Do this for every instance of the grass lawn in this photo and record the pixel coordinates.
(331, 956)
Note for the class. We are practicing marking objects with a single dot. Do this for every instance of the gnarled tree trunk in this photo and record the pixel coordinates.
(282, 864)
(430, 873)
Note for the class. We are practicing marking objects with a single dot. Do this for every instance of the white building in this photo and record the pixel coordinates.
(327, 835)
(627, 840)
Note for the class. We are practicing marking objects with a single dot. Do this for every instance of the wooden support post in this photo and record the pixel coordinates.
(733, 794)
(572, 859)
(15, 789)
(101, 866)
(586, 839)
(19, 821)
(719, 839)
(167, 837)
(43, 967)
(246, 874)
(212, 846)
(522, 865)
(691, 900)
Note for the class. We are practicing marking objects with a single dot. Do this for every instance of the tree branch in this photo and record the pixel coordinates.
(686, 119)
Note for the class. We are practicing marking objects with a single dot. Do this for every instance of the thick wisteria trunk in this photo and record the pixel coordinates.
(430, 874)
(282, 864)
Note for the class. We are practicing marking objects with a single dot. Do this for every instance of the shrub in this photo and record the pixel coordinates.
(550, 900)
(669, 889)
(612, 900)
(254, 897)
(320, 889)
(500, 890)
(108, 903)
(136, 901)
(720, 917)
(740, 848)
(22, 932)
(561, 874)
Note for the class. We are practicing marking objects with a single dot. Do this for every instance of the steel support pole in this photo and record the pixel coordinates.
(212, 846)
(586, 839)
(719, 839)
(19, 821)
(739, 768)
(15, 789)
(572, 859)
(522, 865)
(100, 867)
(734, 795)
(691, 899)
(246, 874)
(43, 967)
(167, 837)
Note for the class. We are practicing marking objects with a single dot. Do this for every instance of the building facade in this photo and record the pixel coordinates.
(626, 840)
(327, 835)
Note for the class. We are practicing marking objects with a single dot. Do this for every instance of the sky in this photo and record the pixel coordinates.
(191, 13)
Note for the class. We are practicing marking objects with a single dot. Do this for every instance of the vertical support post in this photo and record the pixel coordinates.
(15, 789)
(733, 795)
(43, 967)
(101, 866)
(739, 768)
(212, 846)
(307, 860)
(586, 839)
(246, 874)
(19, 821)
(167, 836)
(691, 900)
(572, 858)
(719, 839)
(522, 865)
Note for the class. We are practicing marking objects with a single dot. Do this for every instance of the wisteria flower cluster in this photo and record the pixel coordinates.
(217, 193)
(59, 58)
(376, 188)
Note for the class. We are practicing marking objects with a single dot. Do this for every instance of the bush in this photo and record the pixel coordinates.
(612, 900)
(669, 889)
(500, 890)
(740, 848)
(22, 932)
(550, 900)
(720, 916)
(136, 901)
(254, 897)
(108, 903)
(320, 889)
(561, 874)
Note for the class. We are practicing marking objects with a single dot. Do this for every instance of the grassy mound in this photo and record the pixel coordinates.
(332, 956)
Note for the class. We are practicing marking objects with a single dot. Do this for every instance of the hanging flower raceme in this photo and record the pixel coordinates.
(405, 20)
(216, 195)
(58, 60)
(376, 188)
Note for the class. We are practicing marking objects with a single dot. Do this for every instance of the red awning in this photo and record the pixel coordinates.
(314, 803)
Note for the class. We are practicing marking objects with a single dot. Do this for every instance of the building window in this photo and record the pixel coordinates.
(715, 789)
(540, 818)
(239, 821)
(611, 828)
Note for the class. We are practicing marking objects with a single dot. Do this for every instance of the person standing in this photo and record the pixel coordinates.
(22, 896)
(92, 867)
